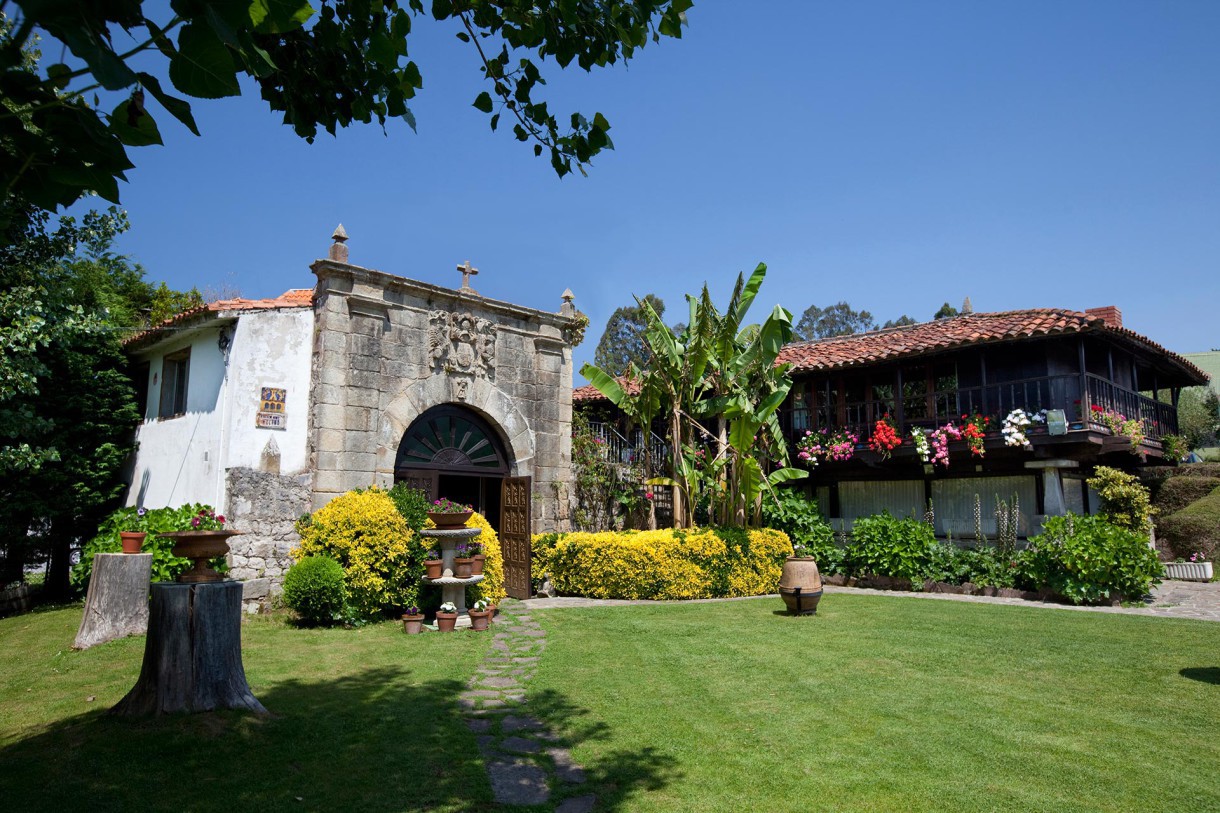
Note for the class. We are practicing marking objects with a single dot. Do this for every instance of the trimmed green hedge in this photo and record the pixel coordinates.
(1194, 529)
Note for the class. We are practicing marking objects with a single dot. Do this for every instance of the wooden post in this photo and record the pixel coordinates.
(117, 602)
(192, 656)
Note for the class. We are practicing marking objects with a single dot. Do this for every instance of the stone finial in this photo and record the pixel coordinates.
(466, 270)
(338, 249)
(967, 306)
(568, 309)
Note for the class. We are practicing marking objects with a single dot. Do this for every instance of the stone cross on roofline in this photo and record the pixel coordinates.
(466, 271)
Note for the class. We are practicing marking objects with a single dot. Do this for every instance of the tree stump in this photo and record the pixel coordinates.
(117, 602)
(192, 657)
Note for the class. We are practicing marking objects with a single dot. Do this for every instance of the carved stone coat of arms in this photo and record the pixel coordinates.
(462, 343)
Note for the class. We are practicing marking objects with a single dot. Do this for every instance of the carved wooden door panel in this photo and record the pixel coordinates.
(422, 479)
(515, 508)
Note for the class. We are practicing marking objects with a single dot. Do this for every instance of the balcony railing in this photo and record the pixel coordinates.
(621, 450)
(930, 410)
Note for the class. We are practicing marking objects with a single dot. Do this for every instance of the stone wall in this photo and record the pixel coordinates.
(264, 506)
(387, 348)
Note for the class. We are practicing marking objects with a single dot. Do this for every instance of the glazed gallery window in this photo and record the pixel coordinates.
(174, 374)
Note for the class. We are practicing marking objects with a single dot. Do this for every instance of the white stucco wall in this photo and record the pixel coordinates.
(270, 349)
(184, 459)
(177, 460)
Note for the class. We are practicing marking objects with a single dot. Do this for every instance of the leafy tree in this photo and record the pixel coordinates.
(67, 409)
(348, 61)
(901, 321)
(1199, 416)
(833, 320)
(623, 344)
(946, 311)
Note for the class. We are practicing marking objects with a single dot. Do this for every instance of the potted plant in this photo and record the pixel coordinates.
(446, 617)
(1197, 569)
(445, 513)
(133, 538)
(412, 621)
(480, 616)
(433, 564)
(462, 563)
(206, 540)
(477, 558)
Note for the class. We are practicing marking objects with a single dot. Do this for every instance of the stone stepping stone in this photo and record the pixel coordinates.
(512, 723)
(520, 745)
(517, 782)
(577, 804)
(500, 682)
(480, 693)
(567, 770)
(479, 726)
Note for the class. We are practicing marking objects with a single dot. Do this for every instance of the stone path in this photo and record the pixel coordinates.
(525, 761)
(1172, 599)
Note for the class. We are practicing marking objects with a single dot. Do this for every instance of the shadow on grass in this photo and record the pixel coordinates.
(614, 776)
(1203, 674)
(372, 741)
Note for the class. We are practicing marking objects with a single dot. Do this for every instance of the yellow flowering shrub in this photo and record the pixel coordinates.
(663, 564)
(380, 554)
(492, 586)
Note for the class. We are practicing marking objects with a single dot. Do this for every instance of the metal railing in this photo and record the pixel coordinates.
(621, 450)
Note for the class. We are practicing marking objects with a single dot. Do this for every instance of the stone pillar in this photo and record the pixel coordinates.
(1053, 502)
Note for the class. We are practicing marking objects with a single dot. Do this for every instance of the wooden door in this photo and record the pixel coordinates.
(515, 508)
(422, 479)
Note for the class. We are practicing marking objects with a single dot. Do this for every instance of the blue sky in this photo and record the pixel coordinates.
(891, 154)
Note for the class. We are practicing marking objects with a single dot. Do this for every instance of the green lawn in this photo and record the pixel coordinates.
(888, 703)
(877, 704)
(362, 720)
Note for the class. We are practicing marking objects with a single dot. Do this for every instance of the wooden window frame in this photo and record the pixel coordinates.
(175, 384)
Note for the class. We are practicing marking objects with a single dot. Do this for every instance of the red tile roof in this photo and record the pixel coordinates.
(907, 341)
(592, 393)
(295, 298)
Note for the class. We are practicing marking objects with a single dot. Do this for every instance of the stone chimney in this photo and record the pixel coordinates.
(1110, 314)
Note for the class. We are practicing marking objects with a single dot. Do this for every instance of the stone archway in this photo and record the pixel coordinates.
(451, 451)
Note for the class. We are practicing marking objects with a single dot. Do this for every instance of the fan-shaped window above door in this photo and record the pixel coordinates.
(451, 438)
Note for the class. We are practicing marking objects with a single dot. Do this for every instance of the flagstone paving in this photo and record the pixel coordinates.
(525, 762)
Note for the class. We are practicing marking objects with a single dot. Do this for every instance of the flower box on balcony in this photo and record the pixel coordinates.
(1189, 571)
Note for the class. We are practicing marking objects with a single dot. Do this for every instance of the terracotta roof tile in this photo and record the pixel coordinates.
(891, 344)
(895, 343)
(295, 298)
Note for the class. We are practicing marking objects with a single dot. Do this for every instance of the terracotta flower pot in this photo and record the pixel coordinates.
(462, 568)
(132, 540)
(476, 565)
(412, 624)
(450, 520)
(200, 546)
(434, 568)
(446, 621)
(800, 585)
(479, 619)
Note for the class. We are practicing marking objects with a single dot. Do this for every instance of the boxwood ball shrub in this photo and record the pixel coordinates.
(883, 545)
(1090, 560)
(315, 588)
(663, 564)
